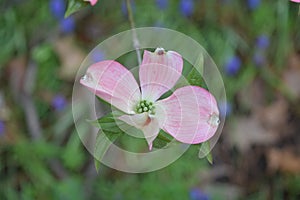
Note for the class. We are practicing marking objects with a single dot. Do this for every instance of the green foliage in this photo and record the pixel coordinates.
(108, 133)
(172, 182)
(205, 151)
(103, 142)
(73, 156)
(17, 23)
(162, 140)
(74, 6)
(195, 75)
(28, 30)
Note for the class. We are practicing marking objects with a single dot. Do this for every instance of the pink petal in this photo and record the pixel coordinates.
(92, 2)
(148, 125)
(159, 72)
(191, 114)
(297, 1)
(113, 83)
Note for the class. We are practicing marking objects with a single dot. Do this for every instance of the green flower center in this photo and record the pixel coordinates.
(145, 106)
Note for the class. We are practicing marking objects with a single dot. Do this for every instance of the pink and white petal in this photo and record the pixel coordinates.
(148, 125)
(159, 72)
(136, 120)
(92, 2)
(151, 131)
(190, 114)
(113, 83)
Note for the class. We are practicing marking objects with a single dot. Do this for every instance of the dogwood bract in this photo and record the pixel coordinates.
(190, 114)
(92, 2)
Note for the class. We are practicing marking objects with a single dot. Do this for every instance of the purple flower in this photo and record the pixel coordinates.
(57, 8)
(196, 194)
(97, 55)
(259, 59)
(67, 25)
(262, 42)
(225, 108)
(59, 102)
(233, 65)
(162, 4)
(2, 127)
(253, 4)
(186, 7)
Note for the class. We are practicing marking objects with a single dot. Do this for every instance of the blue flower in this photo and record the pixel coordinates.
(162, 4)
(233, 65)
(225, 108)
(2, 127)
(67, 25)
(262, 42)
(253, 4)
(196, 194)
(59, 102)
(57, 8)
(186, 7)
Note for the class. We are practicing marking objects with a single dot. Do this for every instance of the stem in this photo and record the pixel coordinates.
(135, 40)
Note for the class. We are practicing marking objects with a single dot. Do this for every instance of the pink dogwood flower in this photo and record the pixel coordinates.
(190, 114)
(92, 2)
(297, 1)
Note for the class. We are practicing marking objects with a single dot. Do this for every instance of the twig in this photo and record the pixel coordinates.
(32, 120)
(28, 105)
(135, 40)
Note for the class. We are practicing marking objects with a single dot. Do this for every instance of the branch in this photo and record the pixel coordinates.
(135, 40)
(24, 96)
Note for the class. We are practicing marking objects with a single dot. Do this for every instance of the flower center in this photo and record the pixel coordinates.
(145, 106)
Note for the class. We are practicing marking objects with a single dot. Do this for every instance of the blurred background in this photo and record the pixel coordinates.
(255, 44)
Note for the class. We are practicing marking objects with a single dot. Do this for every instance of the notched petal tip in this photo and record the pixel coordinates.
(160, 51)
(214, 120)
(87, 77)
(150, 146)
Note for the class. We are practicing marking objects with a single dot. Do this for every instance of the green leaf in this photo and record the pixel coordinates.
(199, 64)
(110, 129)
(74, 6)
(195, 75)
(162, 140)
(204, 151)
(109, 123)
(108, 133)
(209, 158)
(103, 141)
